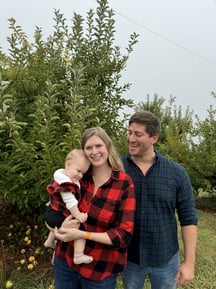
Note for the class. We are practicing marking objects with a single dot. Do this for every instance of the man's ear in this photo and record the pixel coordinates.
(155, 138)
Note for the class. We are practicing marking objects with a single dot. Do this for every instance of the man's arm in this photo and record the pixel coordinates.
(185, 274)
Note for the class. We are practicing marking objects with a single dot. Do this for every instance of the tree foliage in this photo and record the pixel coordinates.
(186, 139)
(205, 151)
(54, 88)
(50, 91)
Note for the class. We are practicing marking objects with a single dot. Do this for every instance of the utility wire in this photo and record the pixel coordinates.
(165, 38)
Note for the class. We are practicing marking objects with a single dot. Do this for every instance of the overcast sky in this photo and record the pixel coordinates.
(176, 52)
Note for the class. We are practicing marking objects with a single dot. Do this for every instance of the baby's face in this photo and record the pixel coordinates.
(76, 170)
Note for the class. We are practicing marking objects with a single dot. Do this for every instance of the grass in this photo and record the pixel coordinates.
(205, 272)
(206, 252)
(39, 276)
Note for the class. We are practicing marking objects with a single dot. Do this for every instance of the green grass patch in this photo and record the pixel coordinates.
(205, 273)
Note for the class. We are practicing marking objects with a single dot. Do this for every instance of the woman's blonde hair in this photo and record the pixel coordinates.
(113, 157)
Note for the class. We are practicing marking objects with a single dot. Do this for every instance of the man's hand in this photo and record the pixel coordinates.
(185, 274)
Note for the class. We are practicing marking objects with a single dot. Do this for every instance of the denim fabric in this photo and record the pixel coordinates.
(160, 278)
(67, 278)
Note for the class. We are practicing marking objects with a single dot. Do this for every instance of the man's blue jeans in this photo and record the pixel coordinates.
(134, 276)
(67, 278)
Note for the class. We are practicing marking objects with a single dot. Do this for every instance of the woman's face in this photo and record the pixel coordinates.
(96, 151)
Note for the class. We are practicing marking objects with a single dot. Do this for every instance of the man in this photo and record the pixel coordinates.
(162, 188)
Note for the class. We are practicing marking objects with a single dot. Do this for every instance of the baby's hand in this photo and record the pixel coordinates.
(70, 222)
(82, 217)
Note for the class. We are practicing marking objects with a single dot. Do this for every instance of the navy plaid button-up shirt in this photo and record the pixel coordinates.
(163, 191)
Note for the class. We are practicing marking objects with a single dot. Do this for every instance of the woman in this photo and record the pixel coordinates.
(107, 195)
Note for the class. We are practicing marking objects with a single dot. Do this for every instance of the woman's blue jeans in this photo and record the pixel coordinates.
(67, 278)
(134, 276)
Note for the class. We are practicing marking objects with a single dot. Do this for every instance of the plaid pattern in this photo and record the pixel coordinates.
(111, 210)
(165, 189)
(56, 202)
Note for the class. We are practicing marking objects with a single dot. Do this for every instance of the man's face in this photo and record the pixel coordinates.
(139, 141)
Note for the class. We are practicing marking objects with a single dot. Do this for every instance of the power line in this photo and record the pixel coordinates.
(167, 39)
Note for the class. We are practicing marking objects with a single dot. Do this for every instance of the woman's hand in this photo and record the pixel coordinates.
(69, 222)
(68, 234)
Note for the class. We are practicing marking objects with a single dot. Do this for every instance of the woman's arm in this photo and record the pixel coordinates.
(70, 234)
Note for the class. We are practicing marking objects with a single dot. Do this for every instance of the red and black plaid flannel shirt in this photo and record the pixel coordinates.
(56, 201)
(111, 210)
